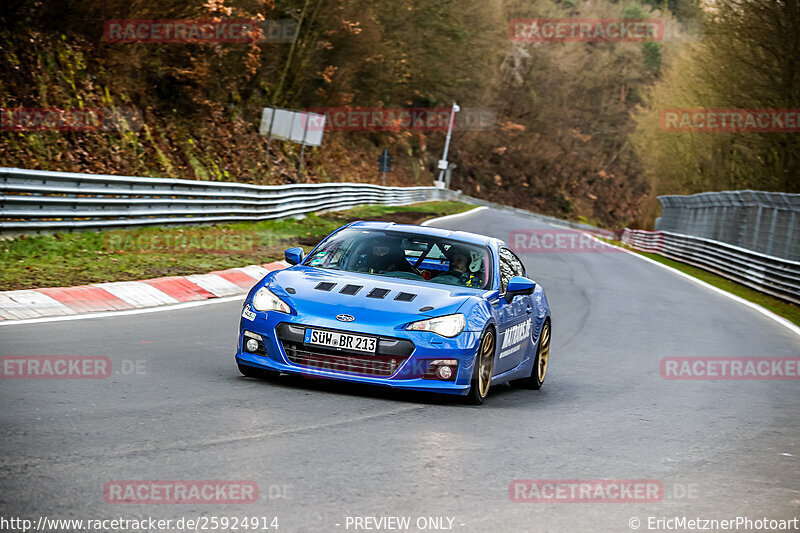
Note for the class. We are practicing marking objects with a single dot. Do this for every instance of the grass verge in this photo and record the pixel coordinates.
(787, 310)
(67, 259)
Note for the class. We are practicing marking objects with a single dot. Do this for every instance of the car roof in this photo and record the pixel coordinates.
(463, 236)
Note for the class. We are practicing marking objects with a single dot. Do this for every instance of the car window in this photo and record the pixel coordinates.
(510, 266)
(403, 255)
(436, 253)
(516, 264)
(506, 272)
(334, 254)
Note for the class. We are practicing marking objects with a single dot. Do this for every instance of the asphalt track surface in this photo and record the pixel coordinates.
(321, 452)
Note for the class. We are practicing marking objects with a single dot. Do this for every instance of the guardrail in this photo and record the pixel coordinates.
(39, 201)
(771, 275)
(766, 222)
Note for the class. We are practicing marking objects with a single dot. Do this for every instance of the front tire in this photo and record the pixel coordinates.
(482, 371)
(540, 364)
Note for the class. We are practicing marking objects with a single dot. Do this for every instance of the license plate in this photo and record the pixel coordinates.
(340, 341)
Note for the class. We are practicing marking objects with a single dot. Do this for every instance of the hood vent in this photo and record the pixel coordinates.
(378, 293)
(325, 286)
(351, 290)
(405, 297)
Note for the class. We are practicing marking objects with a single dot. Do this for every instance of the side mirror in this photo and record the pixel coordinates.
(518, 286)
(294, 255)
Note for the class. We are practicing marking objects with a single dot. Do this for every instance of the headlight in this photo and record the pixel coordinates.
(446, 326)
(265, 300)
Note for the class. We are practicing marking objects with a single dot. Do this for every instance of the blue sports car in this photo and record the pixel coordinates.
(404, 306)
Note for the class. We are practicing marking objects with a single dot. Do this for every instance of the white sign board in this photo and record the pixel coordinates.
(266, 122)
(295, 126)
(315, 128)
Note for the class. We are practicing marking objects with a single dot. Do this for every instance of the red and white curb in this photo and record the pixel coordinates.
(134, 297)
(128, 295)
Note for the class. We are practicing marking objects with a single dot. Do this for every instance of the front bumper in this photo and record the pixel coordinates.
(400, 362)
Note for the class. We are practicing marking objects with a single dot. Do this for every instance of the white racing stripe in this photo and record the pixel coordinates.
(106, 314)
(31, 307)
(448, 217)
(216, 285)
(30, 304)
(506, 353)
(254, 271)
(137, 293)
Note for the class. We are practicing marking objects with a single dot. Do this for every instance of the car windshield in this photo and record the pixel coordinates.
(405, 255)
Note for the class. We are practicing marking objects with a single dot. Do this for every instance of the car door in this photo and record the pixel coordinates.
(514, 318)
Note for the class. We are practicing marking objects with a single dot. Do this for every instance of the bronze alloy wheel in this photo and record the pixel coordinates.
(540, 362)
(481, 379)
(544, 352)
(486, 364)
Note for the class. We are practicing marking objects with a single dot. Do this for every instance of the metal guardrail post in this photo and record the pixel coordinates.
(768, 251)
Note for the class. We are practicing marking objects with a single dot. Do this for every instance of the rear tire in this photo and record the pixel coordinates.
(257, 373)
(482, 370)
(540, 364)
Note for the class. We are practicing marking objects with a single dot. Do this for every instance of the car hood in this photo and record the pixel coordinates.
(302, 288)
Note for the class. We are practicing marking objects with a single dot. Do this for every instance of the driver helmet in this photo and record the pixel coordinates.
(454, 252)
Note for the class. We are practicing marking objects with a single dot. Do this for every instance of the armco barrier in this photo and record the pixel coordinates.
(765, 222)
(40, 201)
(33, 201)
(771, 275)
